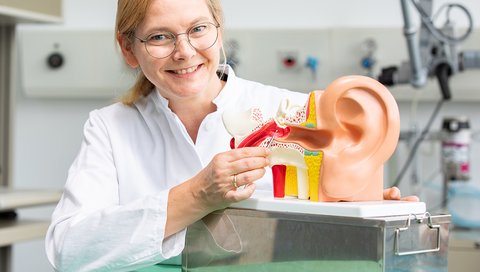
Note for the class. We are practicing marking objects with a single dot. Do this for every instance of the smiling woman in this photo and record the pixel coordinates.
(160, 160)
(130, 17)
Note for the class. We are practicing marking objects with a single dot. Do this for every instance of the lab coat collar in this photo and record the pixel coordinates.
(160, 101)
(227, 94)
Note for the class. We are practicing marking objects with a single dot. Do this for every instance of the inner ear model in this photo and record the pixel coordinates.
(333, 148)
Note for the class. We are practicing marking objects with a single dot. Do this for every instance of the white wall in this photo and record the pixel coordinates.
(326, 13)
(47, 132)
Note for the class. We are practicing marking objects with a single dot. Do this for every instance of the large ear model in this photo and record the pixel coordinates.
(357, 130)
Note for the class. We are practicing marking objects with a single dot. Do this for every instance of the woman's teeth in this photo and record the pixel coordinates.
(185, 71)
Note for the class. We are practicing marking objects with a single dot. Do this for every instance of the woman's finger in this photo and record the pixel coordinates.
(248, 177)
(240, 194)
(249, 164)
(392, 193)
(247, 152)
(410, 198)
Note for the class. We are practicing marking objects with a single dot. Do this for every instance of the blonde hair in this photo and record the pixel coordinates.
(130, 13)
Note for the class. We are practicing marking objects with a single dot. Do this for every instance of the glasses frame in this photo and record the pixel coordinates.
(175, 36)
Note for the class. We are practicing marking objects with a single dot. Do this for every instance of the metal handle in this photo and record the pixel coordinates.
(407, 225)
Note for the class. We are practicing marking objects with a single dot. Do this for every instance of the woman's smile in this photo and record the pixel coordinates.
(185, 72)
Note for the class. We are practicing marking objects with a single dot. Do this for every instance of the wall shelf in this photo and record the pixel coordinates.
(13, 231)
(15, 12)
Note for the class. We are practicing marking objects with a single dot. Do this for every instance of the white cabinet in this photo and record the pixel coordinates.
(71, 63)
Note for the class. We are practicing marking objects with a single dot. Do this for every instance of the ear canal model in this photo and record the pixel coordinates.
(361, 120)
(333, 148)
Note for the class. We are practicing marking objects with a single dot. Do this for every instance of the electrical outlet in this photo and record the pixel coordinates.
(289, 61)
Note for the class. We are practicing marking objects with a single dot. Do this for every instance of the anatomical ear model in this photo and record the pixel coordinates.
(333, 148)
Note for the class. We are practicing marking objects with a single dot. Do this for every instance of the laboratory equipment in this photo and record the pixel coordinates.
(369, 46)
(456, 137)
(460, 197)
(434, 53)
(455, 142)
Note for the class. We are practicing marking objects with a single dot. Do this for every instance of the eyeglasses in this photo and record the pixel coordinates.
(162, 44)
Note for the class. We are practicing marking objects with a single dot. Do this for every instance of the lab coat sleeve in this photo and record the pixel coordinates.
(90, 231)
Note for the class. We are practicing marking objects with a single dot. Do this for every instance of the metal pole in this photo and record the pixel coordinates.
(6, 45)
(418, 72)
(6, 39)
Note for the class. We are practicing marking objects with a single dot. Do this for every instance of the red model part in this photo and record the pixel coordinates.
(279, 172)
(266, 131)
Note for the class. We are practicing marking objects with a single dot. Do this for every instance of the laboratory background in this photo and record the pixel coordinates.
(63, 70)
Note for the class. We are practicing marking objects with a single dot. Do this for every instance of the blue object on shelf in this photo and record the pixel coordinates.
(463, 203)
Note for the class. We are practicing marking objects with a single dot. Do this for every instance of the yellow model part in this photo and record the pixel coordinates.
(314, 162)
(291, 185)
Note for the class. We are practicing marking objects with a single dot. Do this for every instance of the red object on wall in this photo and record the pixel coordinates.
(289, 62)
(278, 172)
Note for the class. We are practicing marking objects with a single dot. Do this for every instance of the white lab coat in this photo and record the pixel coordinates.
(113, 211)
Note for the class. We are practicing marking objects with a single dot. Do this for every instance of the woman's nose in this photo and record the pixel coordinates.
(183, 48)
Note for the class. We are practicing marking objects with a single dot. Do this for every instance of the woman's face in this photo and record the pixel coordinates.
(187, 73)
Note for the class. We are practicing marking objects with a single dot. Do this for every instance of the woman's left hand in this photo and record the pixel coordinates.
(393, 193)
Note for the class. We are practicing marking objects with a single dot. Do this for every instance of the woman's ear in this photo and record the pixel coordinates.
(126, 47)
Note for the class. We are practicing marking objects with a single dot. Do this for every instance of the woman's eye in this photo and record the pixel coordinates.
(161, 37)
(198, 29)
(158, 37)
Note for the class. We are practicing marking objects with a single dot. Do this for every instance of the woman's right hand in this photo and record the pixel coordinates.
(213, 188)
(217, 185)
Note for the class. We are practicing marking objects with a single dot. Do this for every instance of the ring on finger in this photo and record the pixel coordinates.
(234, 181)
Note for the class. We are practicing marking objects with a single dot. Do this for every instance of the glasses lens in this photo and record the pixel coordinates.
(203, 36)
(160, 45)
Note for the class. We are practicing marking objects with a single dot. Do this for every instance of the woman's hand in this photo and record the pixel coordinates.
(217, 184)
(393, 193)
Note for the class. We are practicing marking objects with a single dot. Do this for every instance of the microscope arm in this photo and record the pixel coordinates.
(418, 71)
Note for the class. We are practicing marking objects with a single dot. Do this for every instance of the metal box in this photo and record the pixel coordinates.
(237, 239)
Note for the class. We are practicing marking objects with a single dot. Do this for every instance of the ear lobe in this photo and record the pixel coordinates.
(126, 47)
